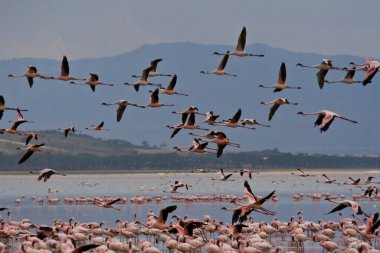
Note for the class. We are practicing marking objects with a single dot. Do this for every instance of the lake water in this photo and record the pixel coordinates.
(26, 186)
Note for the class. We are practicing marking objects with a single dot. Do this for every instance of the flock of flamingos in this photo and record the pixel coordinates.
(184, 234)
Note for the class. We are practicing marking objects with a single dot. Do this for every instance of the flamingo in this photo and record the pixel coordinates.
(93, 81)
(189, 125)
(143, 80)
(67, 130)
(221, 141)
(220, 69)
(301, 173)
(252, 122)
(323, 67)
(45, 174)
(328, 180)
(187, 111)
(30, 136)
(280, 85)
(98, 127)
(122, 105)
(276, 104)
(108, 204)
(234, 121)
(371, 67)
(65, 72)
(325, 118)
(30, 74)
(30, 150)
(177, 184)
(153, 72)
(356, 208)
(224, 177)
(210, 135)
(170, 89)
(13, 129)
(196, 147)
(210, 118)
(348, 79)
(154, 101)
(3, 107)
(239, 50)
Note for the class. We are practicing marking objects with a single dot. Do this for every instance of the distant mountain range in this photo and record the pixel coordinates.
(56, 104)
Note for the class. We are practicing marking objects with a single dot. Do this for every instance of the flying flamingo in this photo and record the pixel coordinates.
(170, 89)
(276, 104)
(65, 72)
(153, 72)
(356, 208)
(108, 204)
(3, 107)
(220, 69)
(327, 179)
(189, 125)
(323, 67)
(67, 130)
(30, 74)
(122, 104)
(154, 101)
(196, 147)
(371, 67)
(221, 141)
(210, 118)
(210, 135)
(45, 174)
(30, 150)
(93, 81)
(13, 129)
(143, 80)
(224, 177)
(301, 173)
(234, 121)
(239, 50)
(251, 122)
(187, 111)
(348, 79)
(325, 118)
(30, 136)
(98, 127)
(280, 85)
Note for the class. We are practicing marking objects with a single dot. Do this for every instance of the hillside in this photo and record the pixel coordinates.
(55, 104)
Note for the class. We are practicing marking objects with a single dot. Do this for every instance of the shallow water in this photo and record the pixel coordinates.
(128, 185)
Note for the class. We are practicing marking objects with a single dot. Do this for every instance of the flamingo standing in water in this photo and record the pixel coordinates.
(3, 107)
(323, 67)
(93, 81)
(276, 104)
(220, 69)
(325, 118)
(371, 67)
(65, 72)
(122, 104)
(280, 85)
(239, 50)
(30, 75)
(153, 72)
(143, 80)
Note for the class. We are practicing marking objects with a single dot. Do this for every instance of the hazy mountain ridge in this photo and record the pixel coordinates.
(55, 104)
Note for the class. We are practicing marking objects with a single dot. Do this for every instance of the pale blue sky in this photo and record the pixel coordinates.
(96, 28)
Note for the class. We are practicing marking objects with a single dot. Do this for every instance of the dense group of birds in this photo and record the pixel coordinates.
(242, 233)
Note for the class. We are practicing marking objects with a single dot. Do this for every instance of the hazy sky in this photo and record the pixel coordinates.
(96, 28)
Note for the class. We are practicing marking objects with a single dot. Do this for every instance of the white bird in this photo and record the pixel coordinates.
(220, 69)
(122, 104)
(325, 118)
(45, 174)
(323, 67)
(280, 85)
(143, 80)
(239, 50)
(276, 104)
(93, 81)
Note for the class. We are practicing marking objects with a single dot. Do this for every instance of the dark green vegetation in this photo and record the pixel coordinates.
(82, 152)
